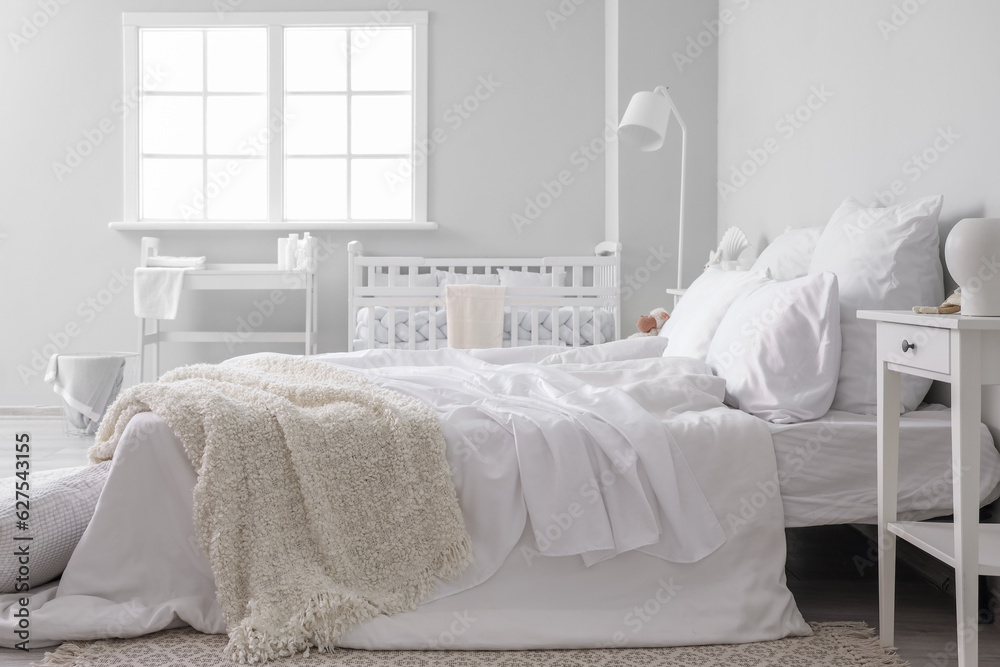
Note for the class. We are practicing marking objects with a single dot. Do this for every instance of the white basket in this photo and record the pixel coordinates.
(129, 377)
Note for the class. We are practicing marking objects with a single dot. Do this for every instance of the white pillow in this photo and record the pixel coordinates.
(696, 317)
(788, 256)
(452, 278)
(885, 259)
(62, 504)
(423, 280)
(512, 278)
(778, 348)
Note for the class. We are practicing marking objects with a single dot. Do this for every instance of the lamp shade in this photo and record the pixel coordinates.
(644, 124)
(968, 252)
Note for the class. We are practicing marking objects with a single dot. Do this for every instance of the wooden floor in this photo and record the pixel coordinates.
(829, 571)
(833, 578)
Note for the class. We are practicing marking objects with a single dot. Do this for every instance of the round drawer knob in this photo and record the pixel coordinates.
(907, 345)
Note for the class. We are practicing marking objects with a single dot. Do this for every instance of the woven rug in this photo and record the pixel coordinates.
(832, 645)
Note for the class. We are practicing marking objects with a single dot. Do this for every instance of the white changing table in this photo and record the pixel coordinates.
(229, 277)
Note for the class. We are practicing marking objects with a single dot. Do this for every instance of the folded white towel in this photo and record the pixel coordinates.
(87, 383)
(475, 316)
(158, 292)
(176, 262)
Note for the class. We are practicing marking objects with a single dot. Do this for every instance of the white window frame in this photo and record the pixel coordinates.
(275, 22)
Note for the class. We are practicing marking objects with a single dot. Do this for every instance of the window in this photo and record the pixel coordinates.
(266, 119)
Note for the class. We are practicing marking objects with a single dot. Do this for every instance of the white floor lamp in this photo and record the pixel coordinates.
(643, 127)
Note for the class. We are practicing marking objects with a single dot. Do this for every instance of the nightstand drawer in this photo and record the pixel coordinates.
(927, 348)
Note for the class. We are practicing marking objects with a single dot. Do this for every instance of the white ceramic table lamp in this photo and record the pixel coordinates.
(644, 127)
(971, 254)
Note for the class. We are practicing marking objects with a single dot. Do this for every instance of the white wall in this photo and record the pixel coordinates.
(57, 252)
(651, 33)
(906, 77)
(896, 80)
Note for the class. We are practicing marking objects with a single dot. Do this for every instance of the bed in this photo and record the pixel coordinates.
(525, 599)
(690, 550)
(398, 302)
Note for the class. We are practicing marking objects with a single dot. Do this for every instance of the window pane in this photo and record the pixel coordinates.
(237, 190)
(171, 60)
(170, 189)
(382, 59)
(237, 125)
(315, 124)
(171, 125)
(381, 189)
(315, 189)
(237, 60)
(315, 60)
(381, 124)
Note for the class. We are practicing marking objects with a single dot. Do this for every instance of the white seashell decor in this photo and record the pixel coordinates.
(732, 245)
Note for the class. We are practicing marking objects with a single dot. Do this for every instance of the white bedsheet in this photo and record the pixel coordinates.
(422, 317)
(828, 467)
(138, 568)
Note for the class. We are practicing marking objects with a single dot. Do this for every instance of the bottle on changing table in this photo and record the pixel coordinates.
(282, 254)
(291, 252)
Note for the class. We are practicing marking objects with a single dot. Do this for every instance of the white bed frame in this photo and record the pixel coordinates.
(594, 283)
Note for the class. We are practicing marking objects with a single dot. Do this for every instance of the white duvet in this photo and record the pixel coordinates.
(606, 483)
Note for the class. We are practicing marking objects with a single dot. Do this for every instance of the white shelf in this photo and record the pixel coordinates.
(938, 539)
(676, 292)
(244, 276)
(291, 226)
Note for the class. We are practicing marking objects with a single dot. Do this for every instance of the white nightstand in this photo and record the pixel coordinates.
(963, 351)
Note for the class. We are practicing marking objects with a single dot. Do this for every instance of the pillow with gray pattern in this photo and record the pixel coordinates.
(62, 503)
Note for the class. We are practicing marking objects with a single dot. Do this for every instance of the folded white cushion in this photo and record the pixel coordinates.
(789, 255)
(778, 348)
(885, 259)
(693, 323)
(513, 278)
(453, 278)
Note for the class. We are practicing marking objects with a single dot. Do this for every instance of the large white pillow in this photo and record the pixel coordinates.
(691, 326)
(513, 278)
(778, 348)
(788, 256)
(885, 259)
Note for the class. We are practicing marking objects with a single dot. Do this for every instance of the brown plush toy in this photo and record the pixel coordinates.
(649, 325)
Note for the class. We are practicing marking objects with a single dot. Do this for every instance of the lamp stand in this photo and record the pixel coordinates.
(680, 219)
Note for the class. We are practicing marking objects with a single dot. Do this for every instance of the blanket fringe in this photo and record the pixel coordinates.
(859, 635)
(65, 655)
(326, 616)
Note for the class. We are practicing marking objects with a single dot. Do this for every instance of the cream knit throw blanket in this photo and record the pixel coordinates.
(322, 499)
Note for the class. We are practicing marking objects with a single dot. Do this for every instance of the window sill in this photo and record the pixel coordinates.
(310, 226)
